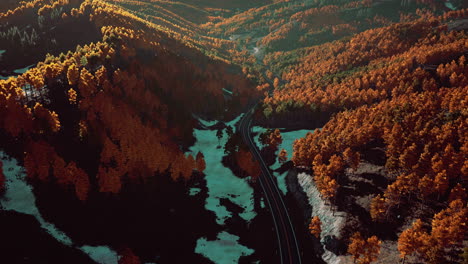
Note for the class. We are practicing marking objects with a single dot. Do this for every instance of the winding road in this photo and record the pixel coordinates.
(287, 242)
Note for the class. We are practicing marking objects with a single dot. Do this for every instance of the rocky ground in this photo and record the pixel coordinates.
(351, 213)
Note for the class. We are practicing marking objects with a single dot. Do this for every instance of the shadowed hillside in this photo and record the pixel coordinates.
(109, 105)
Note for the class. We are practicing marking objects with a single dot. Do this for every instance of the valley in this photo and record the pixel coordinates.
(200, 131)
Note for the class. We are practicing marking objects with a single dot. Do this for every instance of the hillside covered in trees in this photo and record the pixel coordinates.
(124, 116)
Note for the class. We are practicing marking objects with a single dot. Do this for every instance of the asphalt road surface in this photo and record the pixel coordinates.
(287, 242)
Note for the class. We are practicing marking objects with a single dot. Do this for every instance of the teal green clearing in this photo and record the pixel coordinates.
(194, 191)
(222, 184)
(224, 250)
(19, 197)
(287, 144)
(101, 254)
(220, 181)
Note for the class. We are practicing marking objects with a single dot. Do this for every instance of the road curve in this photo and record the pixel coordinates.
(287, 242)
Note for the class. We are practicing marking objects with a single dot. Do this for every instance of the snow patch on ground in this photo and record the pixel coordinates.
(207, 123)
(235, 120)
(19, 197)
(287, 144)
(101, 254)
(17, 71)
(194, 191)
(289, 137)
(220, 181)
(450, 5)
(210, 123)
(224, 250)
(222, 184)
(332, 224)
(257, 130)
(23, 70)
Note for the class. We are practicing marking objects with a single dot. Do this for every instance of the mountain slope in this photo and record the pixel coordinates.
(132, 67)
(99, 99)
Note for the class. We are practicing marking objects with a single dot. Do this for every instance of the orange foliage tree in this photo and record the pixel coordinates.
(315, 226)
(275, 138)
(127, 257)
(378, 208)
(247, 163)
(201, 164)
(283, 156)
(364, 251)
(448, 229)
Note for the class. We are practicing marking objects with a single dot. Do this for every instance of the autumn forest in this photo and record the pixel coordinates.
(266, 131)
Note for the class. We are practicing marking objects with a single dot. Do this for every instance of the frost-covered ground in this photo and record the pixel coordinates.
(287, 144)
(332, 223)
(23, 70)
(222, 184)
(194, 191)
(17, 71)
(19, 197)
(226, 249)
